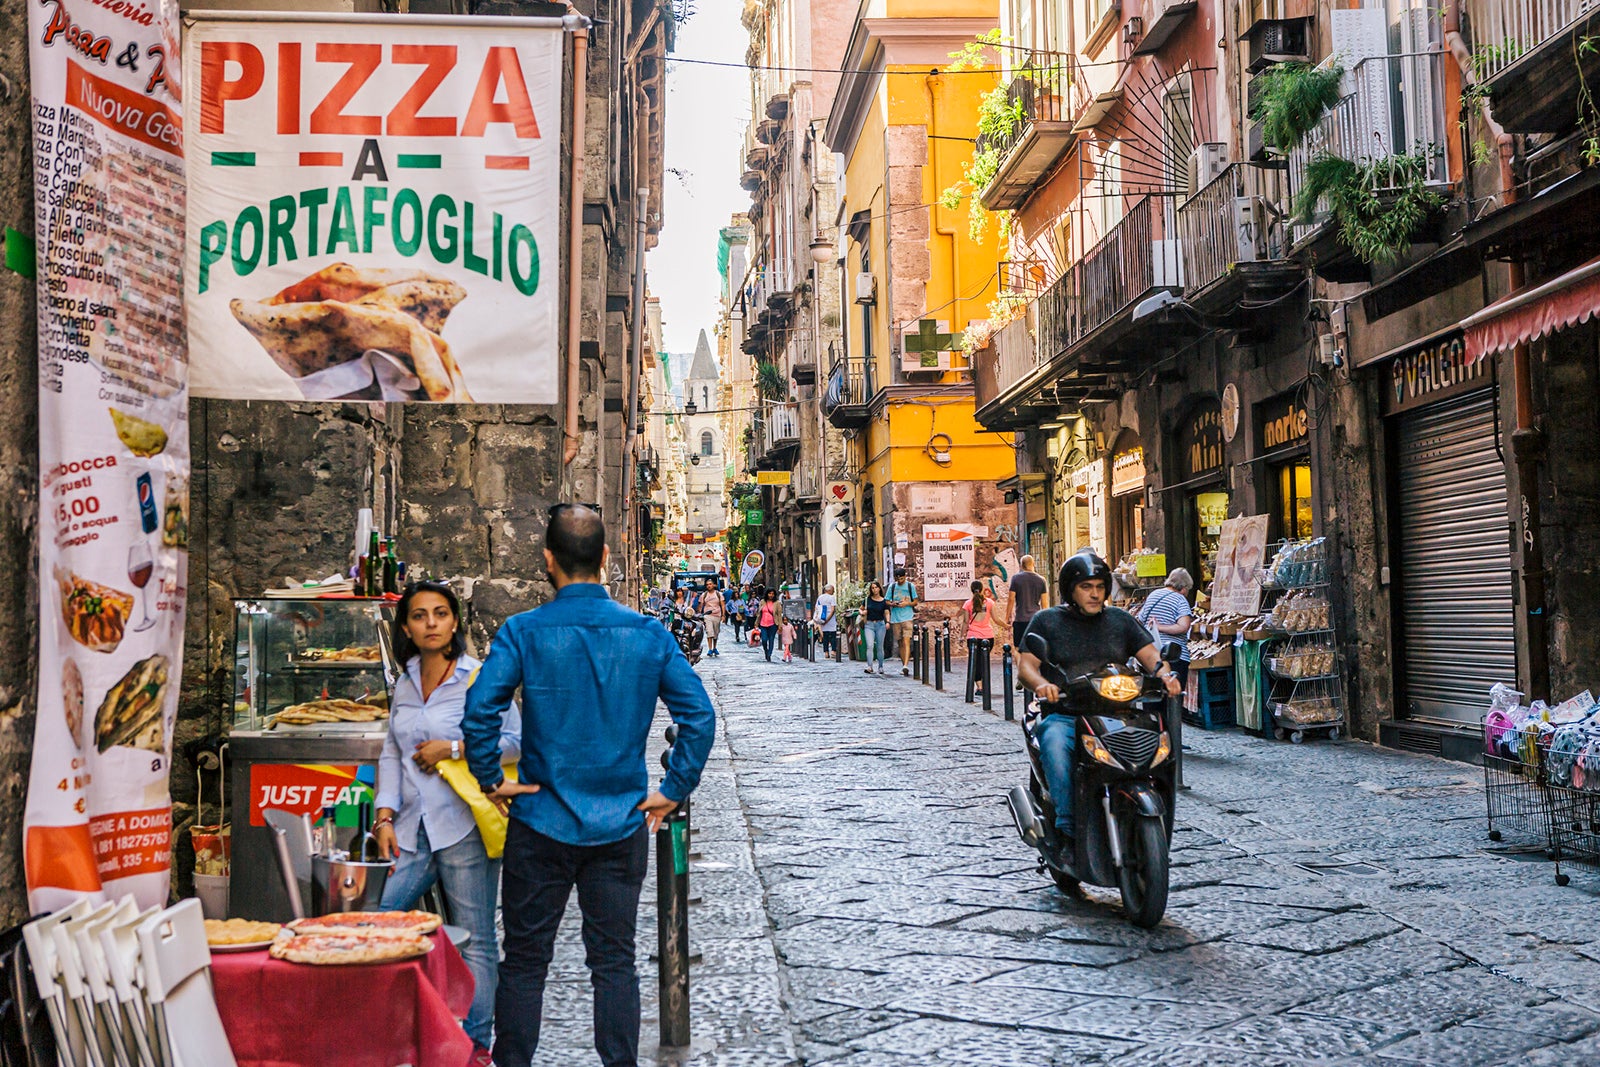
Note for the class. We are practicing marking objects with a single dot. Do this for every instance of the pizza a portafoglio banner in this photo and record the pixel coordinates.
(373, 207)
(113, 447)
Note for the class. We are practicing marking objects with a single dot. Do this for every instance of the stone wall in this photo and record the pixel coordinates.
(19, 505)
(980, 503)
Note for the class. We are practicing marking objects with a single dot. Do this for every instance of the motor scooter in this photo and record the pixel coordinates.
(1122, 781)
(689, 631)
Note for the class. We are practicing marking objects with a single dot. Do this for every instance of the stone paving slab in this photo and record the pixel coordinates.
(867, 904)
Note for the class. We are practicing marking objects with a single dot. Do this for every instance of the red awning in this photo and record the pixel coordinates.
(1512, 320)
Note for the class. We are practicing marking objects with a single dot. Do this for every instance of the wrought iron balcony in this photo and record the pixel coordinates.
(1395, 107)
(780, 428)
(1041, 96)
(1533, 56)
(848, 393)
(1234, 236)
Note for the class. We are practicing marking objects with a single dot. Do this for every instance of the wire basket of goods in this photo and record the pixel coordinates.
(1297, 564)
(1307, 711)
(1310, 661)
(1299, 612)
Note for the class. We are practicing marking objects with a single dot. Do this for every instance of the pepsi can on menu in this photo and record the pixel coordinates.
(147, 503)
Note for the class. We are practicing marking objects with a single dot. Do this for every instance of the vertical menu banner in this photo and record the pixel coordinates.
(113, 446)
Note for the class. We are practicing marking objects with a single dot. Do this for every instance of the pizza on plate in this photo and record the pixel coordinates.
(369, 922)
(223, 932)
(333, 949)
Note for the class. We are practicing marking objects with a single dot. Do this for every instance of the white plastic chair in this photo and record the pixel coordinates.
(119, 941)
(109, 1020)
(74, 982)
(176, 962)
(39, 937)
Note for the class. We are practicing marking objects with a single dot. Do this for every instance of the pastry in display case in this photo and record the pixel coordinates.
(313, 666)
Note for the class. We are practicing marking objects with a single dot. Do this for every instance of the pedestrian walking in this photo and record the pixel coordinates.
(767, 618)
(1166, 613)
(591, 672)
(1029, 592)
(877, 625)
(902, 610)
(786, 633)
(422, 823)
(712, 611)
(827, 609)
(733, 605)
(979, 612)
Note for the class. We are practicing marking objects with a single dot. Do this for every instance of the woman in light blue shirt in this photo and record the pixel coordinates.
(422, 821)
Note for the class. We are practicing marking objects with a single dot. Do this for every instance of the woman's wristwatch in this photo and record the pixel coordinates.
(455, 750)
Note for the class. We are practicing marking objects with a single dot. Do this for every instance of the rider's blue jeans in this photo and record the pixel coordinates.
(1056, 735)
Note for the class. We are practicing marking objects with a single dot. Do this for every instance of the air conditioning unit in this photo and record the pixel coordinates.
(1206, 164)
(929, 362)
(1277, 40)
(1132, 30)
(1249, 228)
(866, 287)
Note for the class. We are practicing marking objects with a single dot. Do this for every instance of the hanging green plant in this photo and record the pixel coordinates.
(1377, 205)
(1291, 99)
(770, 382)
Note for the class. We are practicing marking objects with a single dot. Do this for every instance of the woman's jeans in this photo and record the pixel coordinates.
(471, 883)
(769, 634)
(1056, 735)
(876, 635)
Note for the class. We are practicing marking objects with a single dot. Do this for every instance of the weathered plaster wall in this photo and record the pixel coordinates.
(19, 508)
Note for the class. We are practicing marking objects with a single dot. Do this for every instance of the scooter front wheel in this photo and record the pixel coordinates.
(1143, 877)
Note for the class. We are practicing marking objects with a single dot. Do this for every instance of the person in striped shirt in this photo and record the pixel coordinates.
(1166, 613)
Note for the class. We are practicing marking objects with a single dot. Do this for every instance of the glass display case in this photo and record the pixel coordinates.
(312, 666)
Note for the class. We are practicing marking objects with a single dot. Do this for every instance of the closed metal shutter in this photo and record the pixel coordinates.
(1455, 561)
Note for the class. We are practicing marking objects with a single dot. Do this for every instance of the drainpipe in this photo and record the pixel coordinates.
(1527, 437)
(577, 24)
(630, 469)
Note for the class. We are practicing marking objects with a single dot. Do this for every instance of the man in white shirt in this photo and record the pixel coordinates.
(826, 613)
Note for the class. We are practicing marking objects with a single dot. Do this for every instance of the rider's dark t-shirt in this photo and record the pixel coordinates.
(1082, 643)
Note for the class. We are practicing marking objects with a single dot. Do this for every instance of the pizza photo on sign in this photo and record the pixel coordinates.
(349, 333)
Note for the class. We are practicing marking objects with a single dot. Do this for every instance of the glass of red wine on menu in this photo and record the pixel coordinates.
(141, 564)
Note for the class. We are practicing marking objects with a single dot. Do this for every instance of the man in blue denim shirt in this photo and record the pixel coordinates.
(590, 671)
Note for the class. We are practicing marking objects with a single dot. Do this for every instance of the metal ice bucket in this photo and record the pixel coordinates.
(344, 885)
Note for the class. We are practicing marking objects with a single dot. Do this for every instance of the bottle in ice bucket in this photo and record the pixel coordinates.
(390, 569)
(365, 848)
(329, 833)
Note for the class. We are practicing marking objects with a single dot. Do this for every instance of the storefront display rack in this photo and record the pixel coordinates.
(1302, 665)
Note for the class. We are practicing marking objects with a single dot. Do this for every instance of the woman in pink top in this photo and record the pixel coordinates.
(981, 621)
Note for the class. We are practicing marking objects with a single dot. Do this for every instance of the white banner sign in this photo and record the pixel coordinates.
(113, 448)
(374, 208)
(949, 560)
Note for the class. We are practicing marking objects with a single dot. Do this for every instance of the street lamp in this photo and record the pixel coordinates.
(821, 250)
(689, 408)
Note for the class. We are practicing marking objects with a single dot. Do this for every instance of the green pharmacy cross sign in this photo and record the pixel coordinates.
(753, 517)
(927, 342)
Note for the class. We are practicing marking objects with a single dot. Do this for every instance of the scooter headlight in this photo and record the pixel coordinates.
(1118, 687)
(1163, 749)
(1093, 746)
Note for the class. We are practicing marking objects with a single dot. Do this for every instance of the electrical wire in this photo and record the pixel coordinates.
(919, 72)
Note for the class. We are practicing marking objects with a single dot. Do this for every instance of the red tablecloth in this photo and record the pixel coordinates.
(280, 1014)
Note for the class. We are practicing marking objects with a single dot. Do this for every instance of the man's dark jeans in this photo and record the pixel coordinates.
(538, 876)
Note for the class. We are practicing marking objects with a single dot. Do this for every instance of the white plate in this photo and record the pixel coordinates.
(251, 946)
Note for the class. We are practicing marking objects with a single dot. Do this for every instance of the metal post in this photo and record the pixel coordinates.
(1174, 707)
(938, 665)
(972, 661)
(1005, 681)
(984, 645)
(816, 635)
(672, 928)
(947, 663)
(916, 657)
(927, 639)
(672, 917)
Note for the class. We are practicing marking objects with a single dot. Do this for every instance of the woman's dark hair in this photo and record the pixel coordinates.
(978, 591)
(874, 584)
(404, 647)
(772, 594)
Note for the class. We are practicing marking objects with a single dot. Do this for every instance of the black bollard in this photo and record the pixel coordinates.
(1005, 681)
(984, 645)
(816, 635)
(916, 658)
(927, 639)
(946, 642)
(972, 663)
(938, 667)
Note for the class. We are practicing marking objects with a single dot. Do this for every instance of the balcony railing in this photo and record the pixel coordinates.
(1012, 356)
(849, 388)
(1237, 218)
(1395, 107)
(1023, 277)
(1506, 30)
(780, 426)
(1139, 254)
(1045, 94)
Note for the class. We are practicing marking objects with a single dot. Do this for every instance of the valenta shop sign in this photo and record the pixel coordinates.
(373, 207)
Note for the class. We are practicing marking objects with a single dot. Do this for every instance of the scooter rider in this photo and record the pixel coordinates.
(1084, 634)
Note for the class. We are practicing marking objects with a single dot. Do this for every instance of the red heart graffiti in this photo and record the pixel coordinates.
(841, 491)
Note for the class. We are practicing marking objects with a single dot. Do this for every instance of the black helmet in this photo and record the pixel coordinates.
(1082, 567)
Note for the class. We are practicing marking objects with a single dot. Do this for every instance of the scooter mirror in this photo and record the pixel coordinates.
(1037, 646)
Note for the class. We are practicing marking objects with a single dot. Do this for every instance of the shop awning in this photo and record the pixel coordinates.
(1523, 316)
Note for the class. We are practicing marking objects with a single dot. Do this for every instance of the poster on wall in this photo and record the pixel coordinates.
(949, 560)
(1240, 548)
(108, 193)
(373, 207)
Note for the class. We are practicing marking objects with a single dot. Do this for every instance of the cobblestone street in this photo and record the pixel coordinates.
(866, 901)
